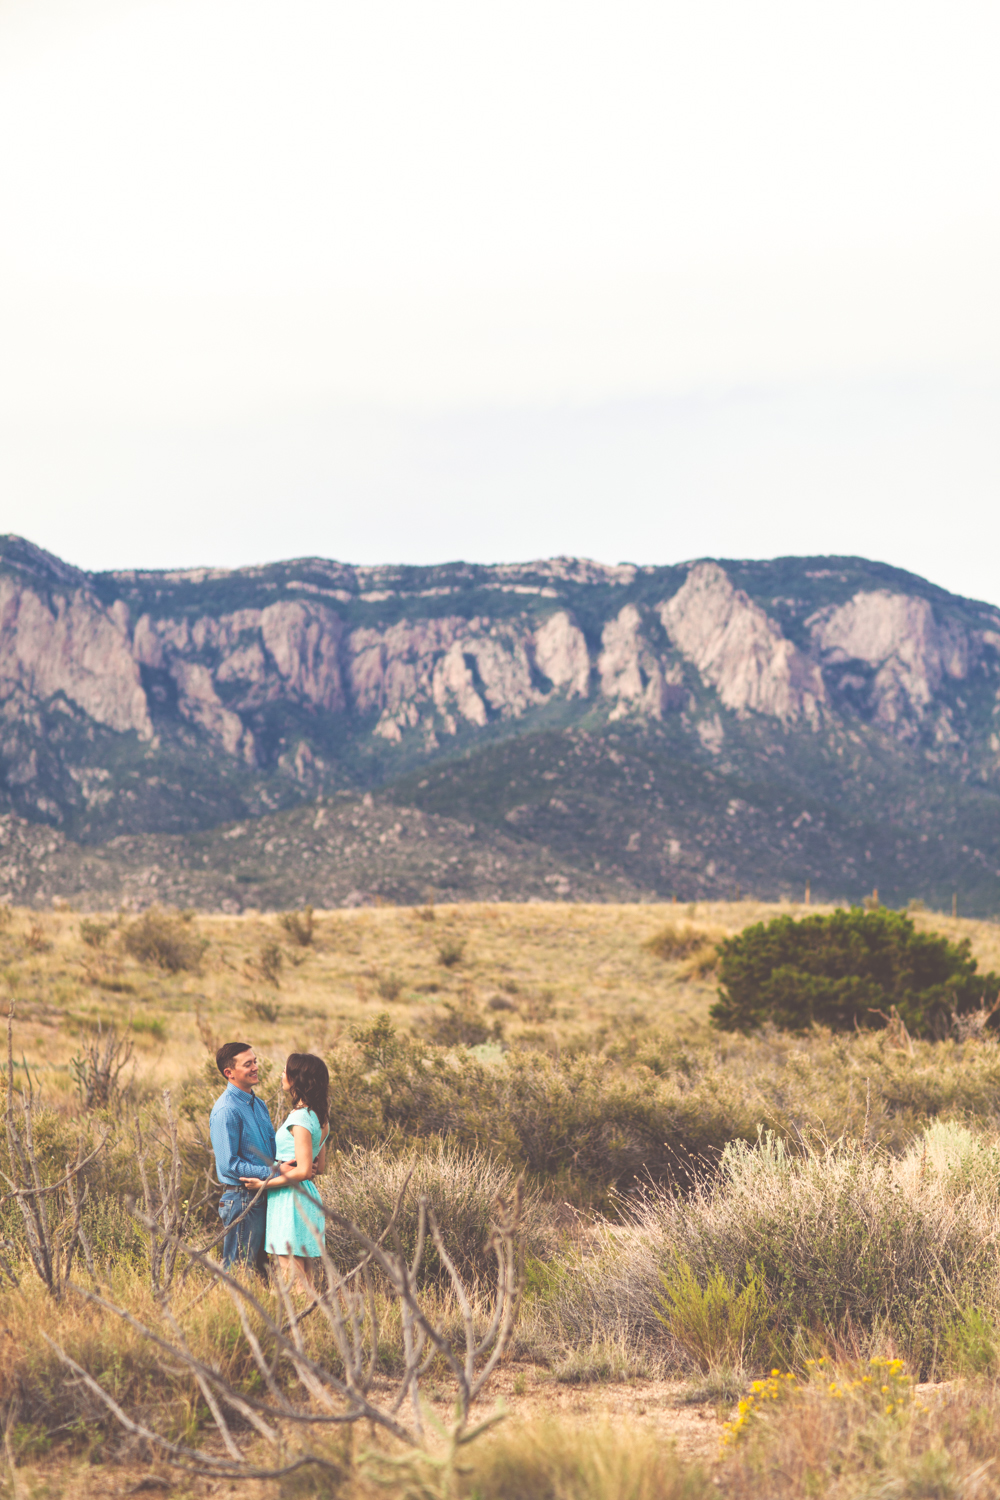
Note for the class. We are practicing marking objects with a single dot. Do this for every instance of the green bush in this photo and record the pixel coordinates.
(93, 933)
(450, 952)
(256, 1009)
(389, 986)
(462, 1024)
(720, 1324)
(269, 961)
(850, 969)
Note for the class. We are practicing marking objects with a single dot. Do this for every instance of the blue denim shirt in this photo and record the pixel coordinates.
(239, 1121)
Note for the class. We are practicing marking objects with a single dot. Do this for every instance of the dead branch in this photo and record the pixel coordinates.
(350, 1306)
(167, 1213)
(52, 1226)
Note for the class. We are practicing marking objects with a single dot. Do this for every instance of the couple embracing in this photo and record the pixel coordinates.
(250, 1154)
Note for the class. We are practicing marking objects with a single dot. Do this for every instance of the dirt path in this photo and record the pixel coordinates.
(528, 1393)
(696, 1428)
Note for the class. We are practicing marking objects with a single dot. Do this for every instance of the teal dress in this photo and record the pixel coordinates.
(289, 1213)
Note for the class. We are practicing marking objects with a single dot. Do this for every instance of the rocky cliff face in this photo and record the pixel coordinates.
(740, 651)
(66, 643)
(910, 652)
(156, 702)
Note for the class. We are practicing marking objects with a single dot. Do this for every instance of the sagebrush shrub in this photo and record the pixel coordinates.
(720, 1324)
(675, 942)
(582, 1118)
(461, 1024)
(269, 962)
(462, 1187)
(36, 940)
(450, 952)
(298, 925)
(256, 1009)
(389, 986)
(845, 1240)
(94, 934)
(164, 938)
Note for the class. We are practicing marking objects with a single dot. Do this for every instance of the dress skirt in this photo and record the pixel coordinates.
(289, 1215)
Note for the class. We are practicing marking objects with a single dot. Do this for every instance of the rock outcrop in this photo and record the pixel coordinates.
(898, 636)
(739, 651)
(561, 655)
(437, 671)
(55, 643)
(168, 704)
(634, 676)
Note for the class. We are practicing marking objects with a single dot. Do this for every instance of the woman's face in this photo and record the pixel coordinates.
(284, 1081)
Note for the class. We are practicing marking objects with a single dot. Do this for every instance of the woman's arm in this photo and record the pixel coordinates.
(300, 1171)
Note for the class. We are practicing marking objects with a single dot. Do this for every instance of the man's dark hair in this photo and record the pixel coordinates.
(310, 1081)
(227, 1054)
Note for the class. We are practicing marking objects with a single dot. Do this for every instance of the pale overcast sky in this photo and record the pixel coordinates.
(393, 282)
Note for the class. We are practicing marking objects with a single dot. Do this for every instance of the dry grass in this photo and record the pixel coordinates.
(558, 1461)
(846, 1434)
(847, 1249)
(122, 1359)
(935, 1444)
(570, 973)
(461, 1187)
(941, 1445)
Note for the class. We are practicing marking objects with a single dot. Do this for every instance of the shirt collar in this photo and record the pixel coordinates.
(240, 1093)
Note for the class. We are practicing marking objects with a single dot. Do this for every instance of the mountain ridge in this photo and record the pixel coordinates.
(168, 703)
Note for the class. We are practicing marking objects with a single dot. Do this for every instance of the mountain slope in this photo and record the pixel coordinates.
(642, 730)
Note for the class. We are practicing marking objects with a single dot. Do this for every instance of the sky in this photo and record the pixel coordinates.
(387, 282)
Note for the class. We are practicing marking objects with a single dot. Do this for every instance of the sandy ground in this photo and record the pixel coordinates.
(662, 1405)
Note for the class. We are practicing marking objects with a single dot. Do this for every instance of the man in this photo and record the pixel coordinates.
(240, 1126)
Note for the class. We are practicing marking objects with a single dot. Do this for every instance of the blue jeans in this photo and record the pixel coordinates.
(244, 1244)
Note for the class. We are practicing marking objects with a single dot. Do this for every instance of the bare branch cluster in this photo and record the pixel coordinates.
(52, 1211)
(354, 1390)
(98, 1067)
(168, 1214)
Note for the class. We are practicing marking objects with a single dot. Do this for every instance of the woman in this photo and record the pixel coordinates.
(300, 1151)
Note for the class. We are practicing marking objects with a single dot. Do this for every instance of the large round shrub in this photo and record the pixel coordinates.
(846, 970)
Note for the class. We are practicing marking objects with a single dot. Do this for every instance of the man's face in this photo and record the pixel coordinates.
(243, 1070)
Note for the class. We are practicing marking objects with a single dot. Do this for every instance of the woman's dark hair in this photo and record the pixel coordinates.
(310, 1081)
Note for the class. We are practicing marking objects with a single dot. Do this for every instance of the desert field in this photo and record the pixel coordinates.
(741, 1257)
(555, 975)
